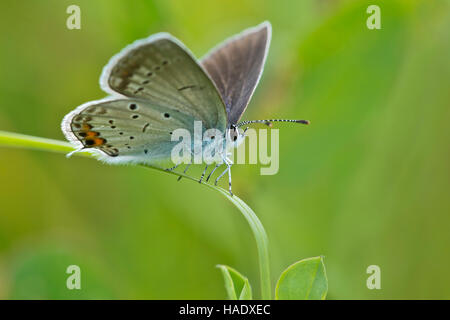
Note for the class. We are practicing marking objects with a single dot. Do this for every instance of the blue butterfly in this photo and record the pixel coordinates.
(157, 86)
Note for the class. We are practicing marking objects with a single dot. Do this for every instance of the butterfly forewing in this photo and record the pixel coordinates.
(236, 66)
(162, 71)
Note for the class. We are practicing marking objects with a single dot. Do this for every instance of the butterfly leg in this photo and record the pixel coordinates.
(221, 175)
(229, 178)
(203, 174)
(185, 169)
(228, 169)
(211, 173)
(229, 162)
(75, 151)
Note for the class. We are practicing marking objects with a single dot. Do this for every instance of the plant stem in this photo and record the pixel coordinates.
(10, 139)
(261, 242)
(24, 141)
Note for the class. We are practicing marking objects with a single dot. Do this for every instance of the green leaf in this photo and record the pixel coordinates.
(237, 286)
(303, 280)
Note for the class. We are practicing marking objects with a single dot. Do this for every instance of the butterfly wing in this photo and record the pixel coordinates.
(236, 66)
(161, 69)
(126, 130)
(157, 87)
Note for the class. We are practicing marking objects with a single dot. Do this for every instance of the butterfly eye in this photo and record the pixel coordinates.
(234, 134)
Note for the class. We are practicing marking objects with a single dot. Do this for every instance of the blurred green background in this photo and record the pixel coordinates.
(367, 183)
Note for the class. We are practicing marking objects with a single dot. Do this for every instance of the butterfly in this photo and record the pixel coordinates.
(157, 86)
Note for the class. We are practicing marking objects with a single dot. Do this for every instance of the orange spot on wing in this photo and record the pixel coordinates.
(94, 142)
(99, 141)
(86, 127)
(91, 134)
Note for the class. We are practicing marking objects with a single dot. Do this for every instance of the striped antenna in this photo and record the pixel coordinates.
(268, 122)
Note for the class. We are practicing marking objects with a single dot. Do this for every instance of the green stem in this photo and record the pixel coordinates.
(24, 141)
(9, 139)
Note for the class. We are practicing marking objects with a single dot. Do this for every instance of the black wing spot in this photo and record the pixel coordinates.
(145, 81)
(145, 151)
(128, 147)
(113, 127)
(157, 68)
(138, 90)
(111, 121)
(133, 106)
(135, 116)
(131, 138)
(165, 62)
(149, 74)
(145, 127)
(121, 133)
(166, 115)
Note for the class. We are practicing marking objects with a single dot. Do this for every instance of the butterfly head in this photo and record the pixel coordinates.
(234, 136)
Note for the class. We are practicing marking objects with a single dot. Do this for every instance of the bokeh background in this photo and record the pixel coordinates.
(367, 183)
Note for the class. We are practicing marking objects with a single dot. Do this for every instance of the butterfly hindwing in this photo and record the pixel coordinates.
(126, 130)
(236, 66)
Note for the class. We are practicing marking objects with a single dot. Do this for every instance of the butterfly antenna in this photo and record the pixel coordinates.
(268, 122)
